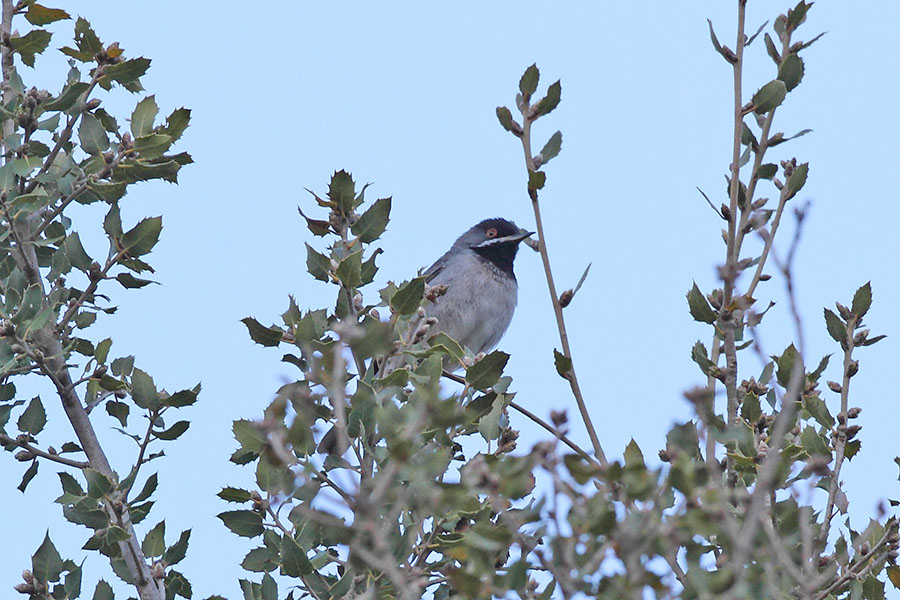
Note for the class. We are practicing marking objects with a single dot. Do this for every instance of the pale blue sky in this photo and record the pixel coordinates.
(403, 96)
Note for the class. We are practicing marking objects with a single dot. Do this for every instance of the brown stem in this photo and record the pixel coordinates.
(571, 377)
(6, 441)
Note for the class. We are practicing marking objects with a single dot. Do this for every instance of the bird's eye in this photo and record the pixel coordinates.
(492, 232)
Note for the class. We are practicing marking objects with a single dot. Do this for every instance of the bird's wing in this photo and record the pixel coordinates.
(434, 269)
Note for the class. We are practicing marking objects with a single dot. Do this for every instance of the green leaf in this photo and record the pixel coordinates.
(29, 474)
(143, 116)
(141, 239)
(536, 180)
(769, 96)
(529, 81)
(550, 101)
(294, 561)
(348, 271)
(41, 15)
(862, 300)
(66, 98)
(407, 299)
(103, 591)
(34, 418)
(152, 145)
(154, 543)
(816, 407)
(148, 489)
(129, 281)
(487, 371)
(836, 328)
(700, 356)
(176, 552)
(143, 390)
(98, 483)
(173, 432)
(34, 42)
(74, 250)
(785, 364)
(265, 336)
(563, 363)
(46, 563)
(633, 455)
(72, 585)
(249, 436)
(269, 588)
(233, 494)
(506, 120)
(699, 307)
(726, 54)
(813, 443)
(791, 71)
(373, 222)
(176, 123)
(551, 148)
(127, 71)
(245, 523)
(92, 135)
(112, 223)
(317, 264)
(70, 485)
(797, 179)
(85, 38)
(341, 191)
(767, 171)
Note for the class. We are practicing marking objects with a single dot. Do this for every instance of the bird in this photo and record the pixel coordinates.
(482, 290)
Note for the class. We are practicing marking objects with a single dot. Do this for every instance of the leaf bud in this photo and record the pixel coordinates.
(854, 412)
(38, 356)
(99, 372)
(757, 204)
(7, 328)
(52, 450)
(92, 104)
(894, 538)
(864, 548)
(726, 212)
(842, 418)
(374, 314)
(892, 555)
(334, 264)
(558, 418)
(120, 394)
(433, 292)
(17, 348)
(357, 302)
(421, 312)
(566, 298)
(824, 560)
(835, 387)
(843, 311)
(860, 338)
(762, 451)
(24, 455)
(108, 157)
(852, 431)
(852, 368)
(765, 277)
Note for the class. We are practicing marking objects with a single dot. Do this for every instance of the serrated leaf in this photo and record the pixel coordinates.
(176, 123)
(174, 431)
(769, 96)
(34, 42)
(143, 390)
(813, 443)
(836, 328)
(506, 119)
(699, 308)
(767, 171)
(152, 145)
(92, 135)
(233, 494)
(46, 563)
(128, 71)
(98, 483)
(406, 300)
(85, 38)
(373, 222)
(487, 371)
(700, 356)
(259, 333)
(175, 553)
(551, 100)
(118, 410)
(147, 490)
(341, 191)
(142, 237)
(66, 98)
(529, 81)
(862, 300)
(129, 281)
(34, 418)
(633, 455)
(245, 523)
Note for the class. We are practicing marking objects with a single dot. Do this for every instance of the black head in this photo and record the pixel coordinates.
(495, 240)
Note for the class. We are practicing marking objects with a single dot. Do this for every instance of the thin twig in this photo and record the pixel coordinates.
(5, 440)
(571, 377)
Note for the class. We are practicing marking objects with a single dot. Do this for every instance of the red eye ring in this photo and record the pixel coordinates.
(491, 233)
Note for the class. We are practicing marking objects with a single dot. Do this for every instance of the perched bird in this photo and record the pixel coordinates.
(481, 291)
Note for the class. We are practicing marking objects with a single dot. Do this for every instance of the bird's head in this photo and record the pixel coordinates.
(495, 240)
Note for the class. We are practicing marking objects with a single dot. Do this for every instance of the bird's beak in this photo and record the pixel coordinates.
(514, 238)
